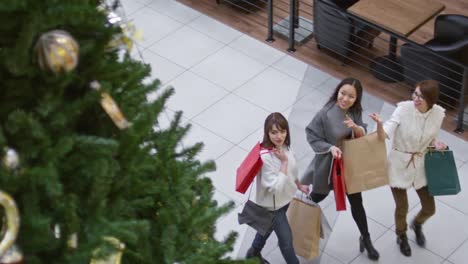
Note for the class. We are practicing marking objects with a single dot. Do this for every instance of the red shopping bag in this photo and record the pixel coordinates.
(338, 184)
(248, 169)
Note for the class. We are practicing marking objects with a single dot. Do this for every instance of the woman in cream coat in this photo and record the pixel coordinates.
(414, 126)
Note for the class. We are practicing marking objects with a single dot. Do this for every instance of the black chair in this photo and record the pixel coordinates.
(336, 31)
(431, 60)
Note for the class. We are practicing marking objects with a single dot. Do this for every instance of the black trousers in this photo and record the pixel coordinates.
(357, 210)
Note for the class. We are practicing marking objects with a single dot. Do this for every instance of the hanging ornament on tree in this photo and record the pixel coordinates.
(9, 252)
(11, 159)
(111, 107)
(113, 258)
(116, 17)
(57, 51)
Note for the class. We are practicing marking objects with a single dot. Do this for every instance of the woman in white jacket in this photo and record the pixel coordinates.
(276, 186)
(414, 126)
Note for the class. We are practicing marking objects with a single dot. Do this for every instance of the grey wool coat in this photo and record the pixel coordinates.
(326, 129)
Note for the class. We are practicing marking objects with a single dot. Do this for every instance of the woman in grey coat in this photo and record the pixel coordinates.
(339, 119)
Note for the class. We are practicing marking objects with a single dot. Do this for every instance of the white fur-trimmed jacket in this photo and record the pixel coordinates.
(412, 132)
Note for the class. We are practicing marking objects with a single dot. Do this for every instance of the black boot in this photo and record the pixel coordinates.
(366, 243)
(255, 253)
(420, 238)
(405, 248)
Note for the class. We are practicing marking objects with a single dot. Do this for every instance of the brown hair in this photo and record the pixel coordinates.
(430, 91)
(356, 108)
(281, 123)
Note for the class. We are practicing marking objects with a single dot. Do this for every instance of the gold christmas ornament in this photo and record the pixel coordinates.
(114, 258)
(11, 230)
(11, 159)
(116, 17)
(111, 108)
(57, 51)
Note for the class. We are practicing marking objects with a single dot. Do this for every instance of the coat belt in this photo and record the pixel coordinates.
(413, 155)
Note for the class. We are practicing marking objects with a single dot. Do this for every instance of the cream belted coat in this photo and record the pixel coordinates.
(412, 132)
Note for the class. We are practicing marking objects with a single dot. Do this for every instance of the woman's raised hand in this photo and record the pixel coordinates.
(336, 152)
(349, 123)
(380, 130)
(280, 154)
(376, 118)
(303, 188)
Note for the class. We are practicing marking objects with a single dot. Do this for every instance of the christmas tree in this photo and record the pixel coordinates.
(81, 156)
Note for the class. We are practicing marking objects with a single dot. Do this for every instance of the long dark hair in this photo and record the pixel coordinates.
(281, 123)
(356, 108)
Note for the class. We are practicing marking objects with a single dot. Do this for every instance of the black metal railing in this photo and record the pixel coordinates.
(368, 47)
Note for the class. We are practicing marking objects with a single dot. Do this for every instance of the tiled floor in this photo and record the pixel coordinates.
(226, 83)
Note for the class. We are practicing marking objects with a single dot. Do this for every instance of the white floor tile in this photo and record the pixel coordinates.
(248, 143)
(390, 253)
(329, 86)
(371, 103)
(229, 68)
(458, 145)
(257, 49)
(313, 77)
(281, 88)
(459, 201)
(193, 94)
(174, 10)
(287, 111)
(460, 256)
(344, 240)
(214, 29)
(224, 178)
(221, 198)
(161, 68)
(153, 25)
(223, 118)
(291, 66)
(174, 47)
(445, 231)
(380, 206)
(387, 111)
(322, 259)
(214, 146)
(130, 6)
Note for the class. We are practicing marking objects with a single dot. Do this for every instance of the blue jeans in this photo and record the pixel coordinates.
(283, 232)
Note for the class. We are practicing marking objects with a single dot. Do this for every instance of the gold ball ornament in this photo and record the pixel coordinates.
(57, 51)
(11, 159)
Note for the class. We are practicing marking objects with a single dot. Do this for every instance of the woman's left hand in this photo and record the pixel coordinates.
(439, 145)
(349, 123)
(303, 188)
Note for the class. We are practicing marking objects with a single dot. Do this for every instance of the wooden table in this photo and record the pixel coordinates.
(400, 17)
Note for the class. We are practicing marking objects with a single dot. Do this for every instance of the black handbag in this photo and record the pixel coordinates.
(258, 217)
